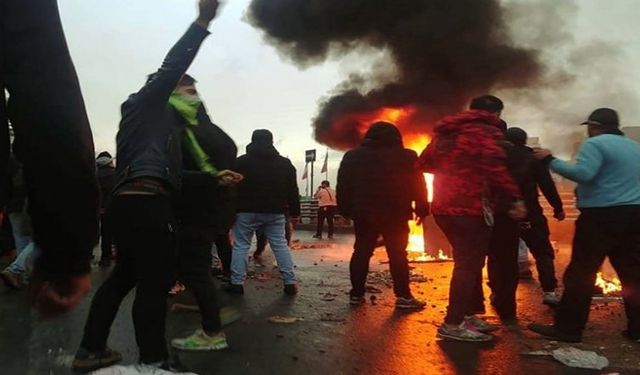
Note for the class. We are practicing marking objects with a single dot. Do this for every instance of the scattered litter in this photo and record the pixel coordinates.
(328, 317)
(134, 370)
(384, 278)
(284, 319)
(329, 297)
(263, 277)
(372, 289)
(574, 357)
(315, 245)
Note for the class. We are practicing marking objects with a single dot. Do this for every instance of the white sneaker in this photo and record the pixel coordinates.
(479, 324)
(551, 298)
(463, 332)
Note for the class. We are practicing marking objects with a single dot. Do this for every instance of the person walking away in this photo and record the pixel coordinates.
(17, 273)
(327, 206)
(468, 160)
(107, 179)
(268, 190)
(149, 164)
(607, 170)
(535, 228)
(378, 184)
(53, 141)
(205, 209)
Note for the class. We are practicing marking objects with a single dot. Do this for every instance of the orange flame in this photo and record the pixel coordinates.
(608, 286)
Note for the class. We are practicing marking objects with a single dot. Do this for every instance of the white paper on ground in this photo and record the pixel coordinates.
(574, 357)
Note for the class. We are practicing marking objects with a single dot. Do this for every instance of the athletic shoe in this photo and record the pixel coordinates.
(12, 280)
(550, 298)
(629, 336)
(479, 324)
(356, 300)
(463, 332)
(291, 289)
(550, 331)
(234, 289)
(177, 288)
(200, 341)
(409, 303)
(86, 361)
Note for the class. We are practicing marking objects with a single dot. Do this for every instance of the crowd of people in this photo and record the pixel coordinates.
(178, 188)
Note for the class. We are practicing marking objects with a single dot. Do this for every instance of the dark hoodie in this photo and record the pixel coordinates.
(468, 159)
(270, 182)
(379, 178)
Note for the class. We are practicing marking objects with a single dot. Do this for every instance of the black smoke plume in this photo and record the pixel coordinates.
(444, 52)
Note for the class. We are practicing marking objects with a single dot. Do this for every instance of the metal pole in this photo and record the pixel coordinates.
(306, 168)
(312, 185)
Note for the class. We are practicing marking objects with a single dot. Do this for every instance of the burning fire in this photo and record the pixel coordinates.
(608, 286)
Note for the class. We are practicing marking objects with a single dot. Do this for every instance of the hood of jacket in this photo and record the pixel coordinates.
(456, 123)
(262, 150)
(382, 135)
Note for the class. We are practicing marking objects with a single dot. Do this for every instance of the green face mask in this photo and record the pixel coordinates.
(187, 106)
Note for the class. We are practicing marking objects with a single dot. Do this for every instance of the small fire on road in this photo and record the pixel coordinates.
(612, 286)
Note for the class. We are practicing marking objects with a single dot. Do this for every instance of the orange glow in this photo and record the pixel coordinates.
(608, 286)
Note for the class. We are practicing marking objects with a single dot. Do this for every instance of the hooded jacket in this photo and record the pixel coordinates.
(468, 159)
(379, 179)
(270, 182)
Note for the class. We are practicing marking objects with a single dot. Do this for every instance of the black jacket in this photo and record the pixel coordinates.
(107, 179)
(379, 179)
(531, 174)
(149, 139)
(270, 183)
(205, 208)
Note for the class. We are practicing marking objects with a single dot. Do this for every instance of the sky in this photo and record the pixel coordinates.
(246, 85)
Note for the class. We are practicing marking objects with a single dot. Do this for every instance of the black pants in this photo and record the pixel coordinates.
(195, 272)
(144, 235)
(502, 266)
(535, 234)
(224, 248)
(469, 236)
(326, 213)
(395, 233)
(52, 135)
(602, 232)
(261, 238)
(106, 237)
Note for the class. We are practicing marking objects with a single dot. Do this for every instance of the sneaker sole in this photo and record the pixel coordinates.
(201, 349)
(460, 339)
(85, 369)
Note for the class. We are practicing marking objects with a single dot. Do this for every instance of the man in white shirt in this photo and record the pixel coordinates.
(327, 206)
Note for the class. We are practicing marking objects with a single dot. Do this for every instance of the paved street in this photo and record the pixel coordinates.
(330, 337)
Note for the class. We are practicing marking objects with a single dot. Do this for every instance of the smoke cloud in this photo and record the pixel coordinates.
(442, 53)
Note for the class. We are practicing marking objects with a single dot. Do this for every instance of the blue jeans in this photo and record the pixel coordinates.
(273, 226)
(26, 257)
(21, 228)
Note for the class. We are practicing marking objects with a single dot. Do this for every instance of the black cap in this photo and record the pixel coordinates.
(603, 117)
(262, 136)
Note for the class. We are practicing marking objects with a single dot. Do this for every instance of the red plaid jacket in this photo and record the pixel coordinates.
(468, 160)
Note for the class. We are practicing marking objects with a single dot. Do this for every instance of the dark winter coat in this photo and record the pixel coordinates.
(204, 206)
(379, 179)
(107, 179)
(468, 159)
(531, 174)
(270, 183)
